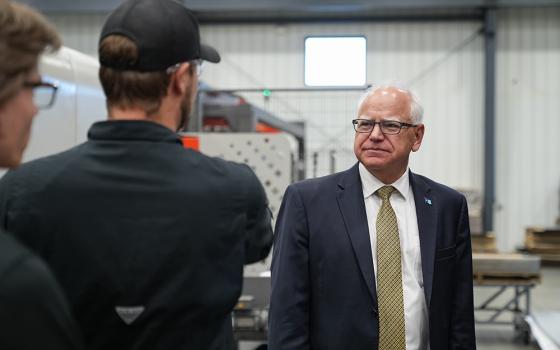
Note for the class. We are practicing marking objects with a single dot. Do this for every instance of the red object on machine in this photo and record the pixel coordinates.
(265, 128)
(191, 142)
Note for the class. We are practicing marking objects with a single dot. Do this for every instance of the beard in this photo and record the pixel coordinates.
(186, 108)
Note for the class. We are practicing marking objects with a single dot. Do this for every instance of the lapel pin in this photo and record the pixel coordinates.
(427, 201)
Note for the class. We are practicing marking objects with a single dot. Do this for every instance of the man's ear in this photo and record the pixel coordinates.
(181, 78)
(418, 136)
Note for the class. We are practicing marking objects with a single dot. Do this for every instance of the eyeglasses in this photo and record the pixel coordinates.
(44, 93)
(388, 127)
(198, 63)
(199, 66)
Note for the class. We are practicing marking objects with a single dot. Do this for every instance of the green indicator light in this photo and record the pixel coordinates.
(266, 93)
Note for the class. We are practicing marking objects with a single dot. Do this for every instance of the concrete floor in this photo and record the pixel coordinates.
(545, 296)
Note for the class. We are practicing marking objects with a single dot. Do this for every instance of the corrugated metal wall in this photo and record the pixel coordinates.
(528, 122)
(444, 64)
(80, 31)
(443, 60)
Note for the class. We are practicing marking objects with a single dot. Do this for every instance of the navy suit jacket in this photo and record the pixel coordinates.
(323, 284)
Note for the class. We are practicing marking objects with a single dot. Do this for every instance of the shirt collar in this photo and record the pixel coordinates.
(370, 183)
(132, 130)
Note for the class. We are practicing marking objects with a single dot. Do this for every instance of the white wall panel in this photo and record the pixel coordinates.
(446, 75)
(528, 122)
(448, 82)
(443, 61)
(80, 31)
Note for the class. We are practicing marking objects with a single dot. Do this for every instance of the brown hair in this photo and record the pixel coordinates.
(24, 35)
(125, 88)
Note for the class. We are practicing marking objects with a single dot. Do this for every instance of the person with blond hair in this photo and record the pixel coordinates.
(34, 313)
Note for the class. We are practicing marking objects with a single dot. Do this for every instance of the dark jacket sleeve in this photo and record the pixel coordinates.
(5, 187)
(289, 300)
(462, 322)
(258, 241)
(33, 311)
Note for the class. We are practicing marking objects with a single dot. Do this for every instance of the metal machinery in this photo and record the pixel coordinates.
(222, 111)
(226, 126)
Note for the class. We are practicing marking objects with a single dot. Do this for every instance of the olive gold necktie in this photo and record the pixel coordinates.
(389, 276)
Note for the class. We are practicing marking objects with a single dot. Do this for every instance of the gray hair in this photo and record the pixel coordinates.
(416, 109)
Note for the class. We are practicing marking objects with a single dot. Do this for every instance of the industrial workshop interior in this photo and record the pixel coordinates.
(283, 99)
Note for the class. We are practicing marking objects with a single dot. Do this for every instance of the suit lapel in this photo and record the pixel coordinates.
(426, 215)
(351, 204)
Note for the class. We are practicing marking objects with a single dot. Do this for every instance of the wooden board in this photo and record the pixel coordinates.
(483, 243)
(506, 265)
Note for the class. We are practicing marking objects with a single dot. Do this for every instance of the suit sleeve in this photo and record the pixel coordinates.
(258, 241)
(462, 322)
(289, 300)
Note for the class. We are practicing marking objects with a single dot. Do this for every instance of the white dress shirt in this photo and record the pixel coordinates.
(402, 201)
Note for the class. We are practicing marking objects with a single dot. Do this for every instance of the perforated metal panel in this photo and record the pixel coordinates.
(269, 155)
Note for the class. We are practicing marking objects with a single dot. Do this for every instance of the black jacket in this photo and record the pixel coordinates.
(147, 238)
(33, 312)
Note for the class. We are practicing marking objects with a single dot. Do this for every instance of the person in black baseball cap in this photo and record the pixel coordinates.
(147, 238)
(144, 45)
(165, 32)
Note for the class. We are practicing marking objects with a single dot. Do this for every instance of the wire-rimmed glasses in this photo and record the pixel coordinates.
(388, 127)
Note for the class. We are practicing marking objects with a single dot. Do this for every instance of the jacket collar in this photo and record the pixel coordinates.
(131, 130)
(426, 214)
(350, 200)
(370, 183)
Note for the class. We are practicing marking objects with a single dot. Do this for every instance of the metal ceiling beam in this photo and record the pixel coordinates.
(271, 7)
(219, 18)
(489, 120)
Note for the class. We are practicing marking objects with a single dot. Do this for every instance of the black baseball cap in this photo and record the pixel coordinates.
(165, 32)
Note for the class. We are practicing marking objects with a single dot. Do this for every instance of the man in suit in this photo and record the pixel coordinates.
(375, 257)
(147, 238)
